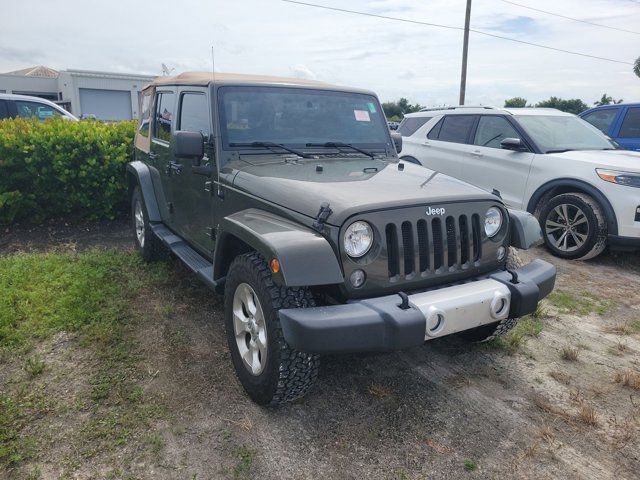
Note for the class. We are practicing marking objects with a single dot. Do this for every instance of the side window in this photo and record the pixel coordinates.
(163, 116)
(602, 119)
(435, 130)
(631, 124)
(194, 113)
(456, 128)
(4, 110)
(145, 115)
(410, 125)
(41, 111)
(492, 130)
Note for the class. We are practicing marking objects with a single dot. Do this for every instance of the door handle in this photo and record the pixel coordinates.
(476, 153)
(153, 156)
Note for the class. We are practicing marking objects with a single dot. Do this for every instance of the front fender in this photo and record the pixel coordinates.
(525, 230)
(306, 258)
(140, 174)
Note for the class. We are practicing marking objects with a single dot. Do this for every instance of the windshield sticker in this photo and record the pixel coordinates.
(372, 107)
(362, 115)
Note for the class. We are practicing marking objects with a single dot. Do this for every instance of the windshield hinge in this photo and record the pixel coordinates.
(323, 214)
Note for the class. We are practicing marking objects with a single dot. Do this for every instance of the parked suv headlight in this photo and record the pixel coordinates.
(492, 221)
(358, 238)
(628, 179)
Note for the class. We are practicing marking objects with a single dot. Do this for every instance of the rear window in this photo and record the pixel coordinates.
(454, 128)
(631, 124)
(145, 115)
(164, 116)
(410, 125)
(602, 119)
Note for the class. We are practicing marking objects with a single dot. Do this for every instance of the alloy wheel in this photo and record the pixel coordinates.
(567, 227)
(139, 222)
(250, 329)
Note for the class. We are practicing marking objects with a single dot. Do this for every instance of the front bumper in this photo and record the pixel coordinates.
(380, 324)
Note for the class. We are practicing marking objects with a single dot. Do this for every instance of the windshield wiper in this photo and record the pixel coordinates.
(271, 146)
(560, 150)
(339, 145)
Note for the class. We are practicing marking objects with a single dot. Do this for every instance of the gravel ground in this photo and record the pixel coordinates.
(444, 410)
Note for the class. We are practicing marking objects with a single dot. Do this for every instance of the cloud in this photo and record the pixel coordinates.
(302, 71)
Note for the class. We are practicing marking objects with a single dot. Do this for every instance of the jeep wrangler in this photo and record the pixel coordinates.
(287, 196)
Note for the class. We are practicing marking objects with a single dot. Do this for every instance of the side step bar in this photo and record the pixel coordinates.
(202, 267)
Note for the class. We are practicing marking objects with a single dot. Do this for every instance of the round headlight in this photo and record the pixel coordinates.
(492, 221)
(358, 239)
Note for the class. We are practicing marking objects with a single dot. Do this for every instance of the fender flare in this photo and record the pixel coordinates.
(411, 159)
(610, 214)
(138, 172)
(306, 257)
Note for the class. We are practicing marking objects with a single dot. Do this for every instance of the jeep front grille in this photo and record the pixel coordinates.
(432, 246)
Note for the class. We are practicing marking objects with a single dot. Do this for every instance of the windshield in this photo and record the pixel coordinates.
(297, 116)
(562, 133)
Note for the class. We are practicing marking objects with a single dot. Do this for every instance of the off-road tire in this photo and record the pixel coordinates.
(494, 330)
(597, 237)
(152, 249)
(288, 373)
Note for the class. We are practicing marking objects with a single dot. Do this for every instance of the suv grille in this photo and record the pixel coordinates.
(432, 246)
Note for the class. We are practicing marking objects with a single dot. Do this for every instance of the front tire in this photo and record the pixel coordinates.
(573, 226)
(270, 371)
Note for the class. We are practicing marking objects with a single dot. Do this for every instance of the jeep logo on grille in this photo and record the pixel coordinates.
(435, 211)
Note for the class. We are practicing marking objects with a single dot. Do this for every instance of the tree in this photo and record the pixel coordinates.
(636, 67)
(400, 108)
(515, 102)
(607, 100)
(574, 105)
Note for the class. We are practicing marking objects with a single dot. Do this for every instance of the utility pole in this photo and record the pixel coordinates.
(465, 49)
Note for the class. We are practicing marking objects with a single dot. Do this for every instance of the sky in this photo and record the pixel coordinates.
(394, 59)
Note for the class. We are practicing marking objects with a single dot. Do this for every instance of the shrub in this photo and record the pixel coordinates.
(58, 167)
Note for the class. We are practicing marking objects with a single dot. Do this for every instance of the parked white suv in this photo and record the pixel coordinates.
(584, 191)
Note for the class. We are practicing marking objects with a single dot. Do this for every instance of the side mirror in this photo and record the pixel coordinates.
(189, 145)
(514, 144)
(397, 141)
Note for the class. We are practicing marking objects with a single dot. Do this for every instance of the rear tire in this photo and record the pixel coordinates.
(270, 371)
(573, 226)
(149, 246)
(493, 330)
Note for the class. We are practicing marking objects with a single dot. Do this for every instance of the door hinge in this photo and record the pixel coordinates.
(208, 186)
(170, 207)
(211, 232)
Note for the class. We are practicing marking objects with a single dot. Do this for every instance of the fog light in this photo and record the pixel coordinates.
(357, 278)
(501, 253)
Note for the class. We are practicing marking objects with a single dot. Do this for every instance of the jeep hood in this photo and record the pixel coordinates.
(351, 186)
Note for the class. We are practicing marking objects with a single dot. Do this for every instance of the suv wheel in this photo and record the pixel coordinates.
(493, 330)
(269, 370)
(149, 246)
(573, 226)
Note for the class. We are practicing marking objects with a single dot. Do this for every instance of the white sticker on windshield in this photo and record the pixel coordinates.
(362, 115)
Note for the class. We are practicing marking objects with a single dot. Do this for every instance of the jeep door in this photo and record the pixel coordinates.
(192, 180)
(489, 166)
(447, 144)
(161, 151)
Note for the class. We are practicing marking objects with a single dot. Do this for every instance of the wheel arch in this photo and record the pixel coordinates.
(138, 174)
(568, 185)
(305, 257)
(411, 159)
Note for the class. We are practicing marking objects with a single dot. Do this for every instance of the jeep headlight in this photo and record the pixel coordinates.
(628, 179)
(358, 238)
(492, 221)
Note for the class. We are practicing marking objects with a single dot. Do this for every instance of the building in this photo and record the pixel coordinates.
(108, 96)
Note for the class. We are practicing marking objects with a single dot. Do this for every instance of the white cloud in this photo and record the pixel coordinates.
(392, 58)
(302, 71)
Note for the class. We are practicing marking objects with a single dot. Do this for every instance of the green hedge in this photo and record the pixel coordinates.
(56, 168)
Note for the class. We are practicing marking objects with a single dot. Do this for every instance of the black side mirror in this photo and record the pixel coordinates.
(397, 141)
(514, 144)
(189, 145)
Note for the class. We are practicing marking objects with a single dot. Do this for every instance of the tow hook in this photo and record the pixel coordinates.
(404, 304)
(514, 276)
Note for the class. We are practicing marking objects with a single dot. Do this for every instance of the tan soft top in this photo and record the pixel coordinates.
(204, 78)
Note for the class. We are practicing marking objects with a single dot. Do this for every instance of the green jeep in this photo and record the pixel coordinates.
(287, 196)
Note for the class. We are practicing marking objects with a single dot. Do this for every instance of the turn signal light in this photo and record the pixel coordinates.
(274, 265)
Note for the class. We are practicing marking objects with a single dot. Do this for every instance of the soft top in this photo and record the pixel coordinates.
(204, 78)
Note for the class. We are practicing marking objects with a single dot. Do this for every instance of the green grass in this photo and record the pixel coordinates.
(89, 293)
(579, 305)
(245, 456)
(470, 465)
(529, 326)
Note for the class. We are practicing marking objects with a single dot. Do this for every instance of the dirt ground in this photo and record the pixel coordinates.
(554, 408)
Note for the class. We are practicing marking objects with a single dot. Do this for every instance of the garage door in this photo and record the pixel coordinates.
(106, 104)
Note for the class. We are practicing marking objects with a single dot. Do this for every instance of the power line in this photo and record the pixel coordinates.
(451, 27)
(570, 18)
